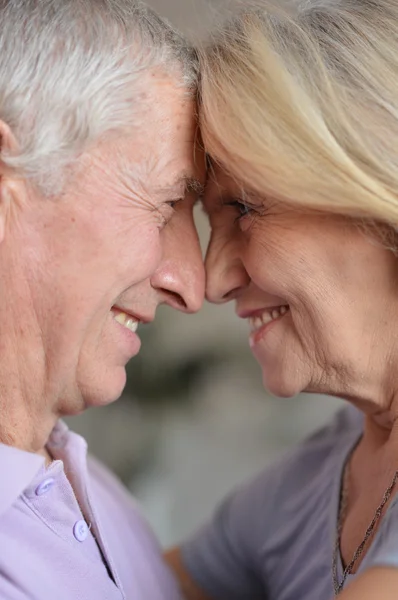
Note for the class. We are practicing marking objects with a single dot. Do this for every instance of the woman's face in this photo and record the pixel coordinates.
(88, 265)
(318, 294)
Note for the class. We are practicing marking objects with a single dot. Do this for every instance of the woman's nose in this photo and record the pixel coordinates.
(180, 278)
(226, 276)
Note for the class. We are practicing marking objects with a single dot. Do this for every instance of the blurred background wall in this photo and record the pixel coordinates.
(194, 420)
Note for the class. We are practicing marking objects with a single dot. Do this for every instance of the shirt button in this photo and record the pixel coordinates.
(80, 531)
(44, 487)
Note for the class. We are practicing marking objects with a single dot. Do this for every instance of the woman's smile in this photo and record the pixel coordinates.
(261, 323)
(262, 320)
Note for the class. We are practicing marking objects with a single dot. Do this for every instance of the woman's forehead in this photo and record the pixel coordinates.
(218, 180)
(221, 184)
(218, 184)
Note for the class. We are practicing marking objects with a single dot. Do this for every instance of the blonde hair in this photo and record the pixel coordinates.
(301, 104)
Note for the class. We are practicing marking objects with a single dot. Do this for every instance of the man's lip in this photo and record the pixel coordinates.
(247, 314)
(141, 318)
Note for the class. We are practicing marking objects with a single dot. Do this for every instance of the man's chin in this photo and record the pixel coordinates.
(110, 391)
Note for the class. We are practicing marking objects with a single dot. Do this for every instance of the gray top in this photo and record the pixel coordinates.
(273, 538)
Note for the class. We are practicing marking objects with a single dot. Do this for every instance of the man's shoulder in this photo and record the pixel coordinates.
(108, 488)
(128, 533)
(118, 509)
(17, 469)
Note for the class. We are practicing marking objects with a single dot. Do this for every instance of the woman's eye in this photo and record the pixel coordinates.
(243, 209)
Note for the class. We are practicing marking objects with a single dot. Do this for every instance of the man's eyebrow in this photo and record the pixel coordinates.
(184, 185)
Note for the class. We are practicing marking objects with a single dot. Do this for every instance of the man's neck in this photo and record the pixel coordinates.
(47, 456)
(25, 426)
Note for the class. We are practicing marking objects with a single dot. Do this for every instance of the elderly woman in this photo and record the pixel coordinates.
(97, 185)
(299, 113)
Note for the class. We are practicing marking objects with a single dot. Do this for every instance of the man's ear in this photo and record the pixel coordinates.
(10, 185)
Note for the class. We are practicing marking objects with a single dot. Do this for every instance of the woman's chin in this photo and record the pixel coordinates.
(281, 387)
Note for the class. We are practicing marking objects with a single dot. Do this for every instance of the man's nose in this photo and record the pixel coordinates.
(180, 278)
(226, 276)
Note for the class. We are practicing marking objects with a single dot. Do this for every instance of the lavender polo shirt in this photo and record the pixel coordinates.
(86, 542)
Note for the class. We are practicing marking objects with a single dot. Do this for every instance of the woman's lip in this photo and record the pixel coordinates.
(248, 314)
(256, 336)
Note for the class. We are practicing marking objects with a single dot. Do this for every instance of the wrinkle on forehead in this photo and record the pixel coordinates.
(169, 177)
(109, 178)
(151, 166)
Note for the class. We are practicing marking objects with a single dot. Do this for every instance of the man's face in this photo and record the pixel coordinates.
(94, 262)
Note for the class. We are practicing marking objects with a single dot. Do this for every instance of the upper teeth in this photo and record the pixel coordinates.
(267, 316)
(127, 321)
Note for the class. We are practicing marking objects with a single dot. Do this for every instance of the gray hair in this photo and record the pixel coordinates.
(73, 70)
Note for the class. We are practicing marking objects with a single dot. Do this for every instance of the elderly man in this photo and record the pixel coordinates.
(98, 182)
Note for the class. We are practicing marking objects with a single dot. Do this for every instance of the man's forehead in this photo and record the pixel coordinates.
(162, 177)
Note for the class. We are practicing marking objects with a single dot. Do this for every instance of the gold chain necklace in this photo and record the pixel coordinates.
(338, 586)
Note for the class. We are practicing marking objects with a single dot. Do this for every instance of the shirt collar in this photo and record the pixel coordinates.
(17, 469)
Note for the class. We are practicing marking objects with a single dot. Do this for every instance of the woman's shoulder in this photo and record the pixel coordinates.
(317, 455)
(308, 469)
(298, 479)
(262, 521)
(328, 441)
(384, 549)
(345, 423)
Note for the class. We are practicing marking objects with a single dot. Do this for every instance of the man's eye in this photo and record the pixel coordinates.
(173, 203)
(166, 211)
